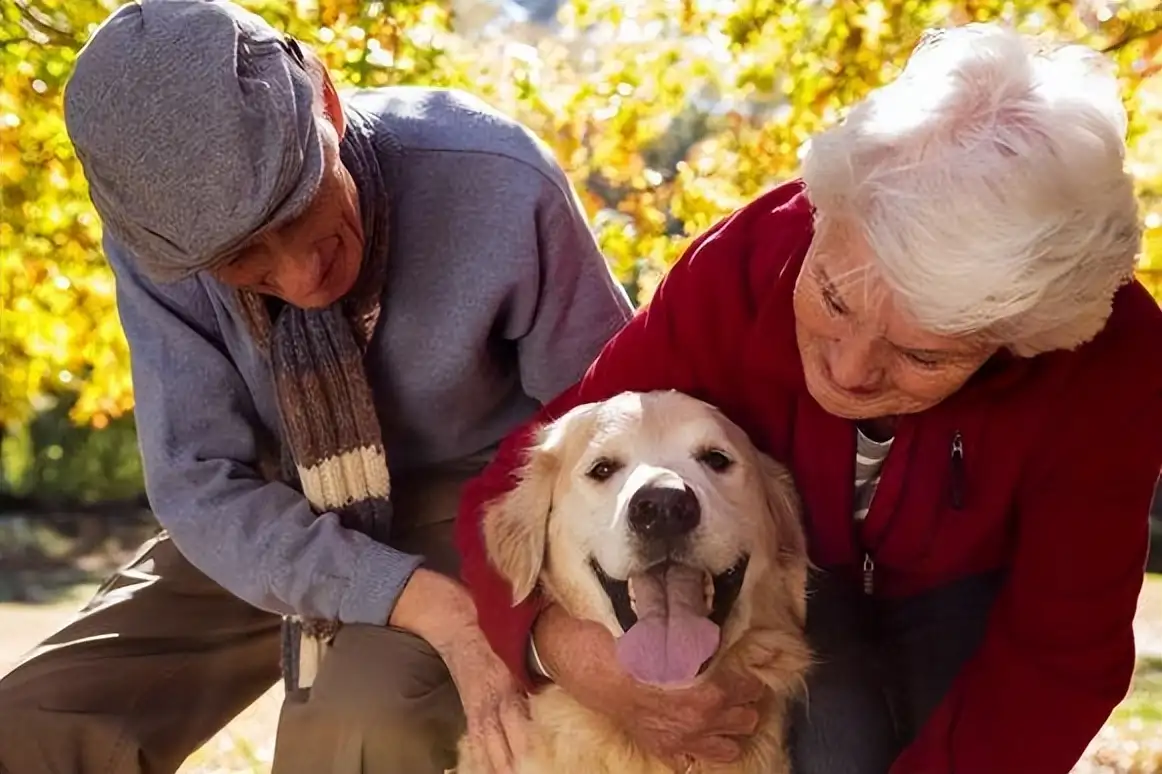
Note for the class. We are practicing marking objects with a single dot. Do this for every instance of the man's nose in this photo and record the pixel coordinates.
(854, 364)
(294, 272)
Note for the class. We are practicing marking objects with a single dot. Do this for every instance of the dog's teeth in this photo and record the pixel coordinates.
(632, 596)
(708, 590)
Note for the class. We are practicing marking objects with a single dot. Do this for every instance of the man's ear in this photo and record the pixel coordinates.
(332, 107)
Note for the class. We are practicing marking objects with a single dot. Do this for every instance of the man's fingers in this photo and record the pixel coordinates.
(478, 755)
(496, 746)
(515, 721)
(735, 721)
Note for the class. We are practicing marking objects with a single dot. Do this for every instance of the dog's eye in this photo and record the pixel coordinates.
(603, 469)
(716, 460)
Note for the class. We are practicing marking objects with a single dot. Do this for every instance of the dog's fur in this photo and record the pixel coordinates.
(547, 530)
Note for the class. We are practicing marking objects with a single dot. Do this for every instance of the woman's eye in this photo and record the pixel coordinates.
(603, 469)
(716, 460)
(920, 360)
(833, 304)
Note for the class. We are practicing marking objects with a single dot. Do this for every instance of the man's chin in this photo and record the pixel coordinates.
(348, 283)
(336, 287)
(321, 299)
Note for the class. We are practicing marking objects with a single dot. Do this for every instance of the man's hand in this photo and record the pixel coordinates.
(438, 609)
(706, 721)
(495, 706)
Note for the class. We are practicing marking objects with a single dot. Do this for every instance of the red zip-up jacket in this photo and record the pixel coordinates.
(1060, 456)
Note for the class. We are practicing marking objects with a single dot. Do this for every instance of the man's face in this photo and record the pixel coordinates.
(313, 260)
(863, 356)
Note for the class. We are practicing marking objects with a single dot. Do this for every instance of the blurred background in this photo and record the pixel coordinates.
(666, 114)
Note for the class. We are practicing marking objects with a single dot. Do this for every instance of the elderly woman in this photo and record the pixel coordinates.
(937, 328)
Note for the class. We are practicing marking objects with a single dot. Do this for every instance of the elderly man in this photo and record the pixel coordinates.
(336, 308)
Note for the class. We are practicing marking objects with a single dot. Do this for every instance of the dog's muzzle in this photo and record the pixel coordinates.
(671, 615)
(664, 512)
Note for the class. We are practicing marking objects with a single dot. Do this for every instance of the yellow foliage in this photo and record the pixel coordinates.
(666, 114)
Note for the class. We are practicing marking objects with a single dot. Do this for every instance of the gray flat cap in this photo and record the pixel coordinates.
(193, 123)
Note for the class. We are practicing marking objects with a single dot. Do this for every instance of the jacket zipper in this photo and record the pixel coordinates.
(956, 491)
(956, 496)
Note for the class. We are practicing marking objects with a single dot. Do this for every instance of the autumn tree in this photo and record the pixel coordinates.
(665, 113)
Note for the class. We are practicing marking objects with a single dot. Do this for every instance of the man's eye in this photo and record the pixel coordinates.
(603, 469)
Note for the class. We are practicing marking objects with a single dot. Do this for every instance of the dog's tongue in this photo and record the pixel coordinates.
(672, 638)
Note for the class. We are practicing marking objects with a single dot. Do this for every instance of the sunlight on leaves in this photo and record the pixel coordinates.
(665, 114)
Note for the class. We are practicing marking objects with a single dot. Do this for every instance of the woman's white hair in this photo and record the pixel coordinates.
(988, 181)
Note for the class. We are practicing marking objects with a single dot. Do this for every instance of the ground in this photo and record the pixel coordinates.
(1131, 743)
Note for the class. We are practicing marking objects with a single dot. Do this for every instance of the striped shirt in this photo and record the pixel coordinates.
(869, 460)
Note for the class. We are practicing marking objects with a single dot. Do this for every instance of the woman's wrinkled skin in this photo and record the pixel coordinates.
(863, 357)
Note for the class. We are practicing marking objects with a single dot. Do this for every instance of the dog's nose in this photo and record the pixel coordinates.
(661, 512)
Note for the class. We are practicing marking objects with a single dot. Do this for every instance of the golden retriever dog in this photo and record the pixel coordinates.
(653, 515)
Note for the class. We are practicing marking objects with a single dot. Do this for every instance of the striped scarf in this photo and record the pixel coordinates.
(332, 444)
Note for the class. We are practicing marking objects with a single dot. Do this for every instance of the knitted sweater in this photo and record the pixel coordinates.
(496, 299)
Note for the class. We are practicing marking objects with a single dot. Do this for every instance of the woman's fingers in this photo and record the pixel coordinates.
(735, 721)
(743, 688)
(715, 749)
(679, 764)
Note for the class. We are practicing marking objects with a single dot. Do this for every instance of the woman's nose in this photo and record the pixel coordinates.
(854, 365)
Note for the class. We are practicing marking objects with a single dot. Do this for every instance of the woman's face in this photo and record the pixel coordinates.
(863, 357)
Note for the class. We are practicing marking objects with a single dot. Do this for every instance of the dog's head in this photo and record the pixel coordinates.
(652, 514)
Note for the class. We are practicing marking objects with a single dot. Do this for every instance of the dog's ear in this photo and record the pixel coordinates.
(786, 514)
(516, 525)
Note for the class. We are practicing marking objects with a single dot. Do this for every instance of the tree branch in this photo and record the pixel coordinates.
(34, 19)
(1130, 38)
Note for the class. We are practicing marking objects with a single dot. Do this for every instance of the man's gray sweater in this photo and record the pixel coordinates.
(497, 298)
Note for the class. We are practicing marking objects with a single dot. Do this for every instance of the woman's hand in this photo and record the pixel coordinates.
(706, 721)
(440, 610)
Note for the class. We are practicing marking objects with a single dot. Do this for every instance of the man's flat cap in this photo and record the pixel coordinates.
(194, 123)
